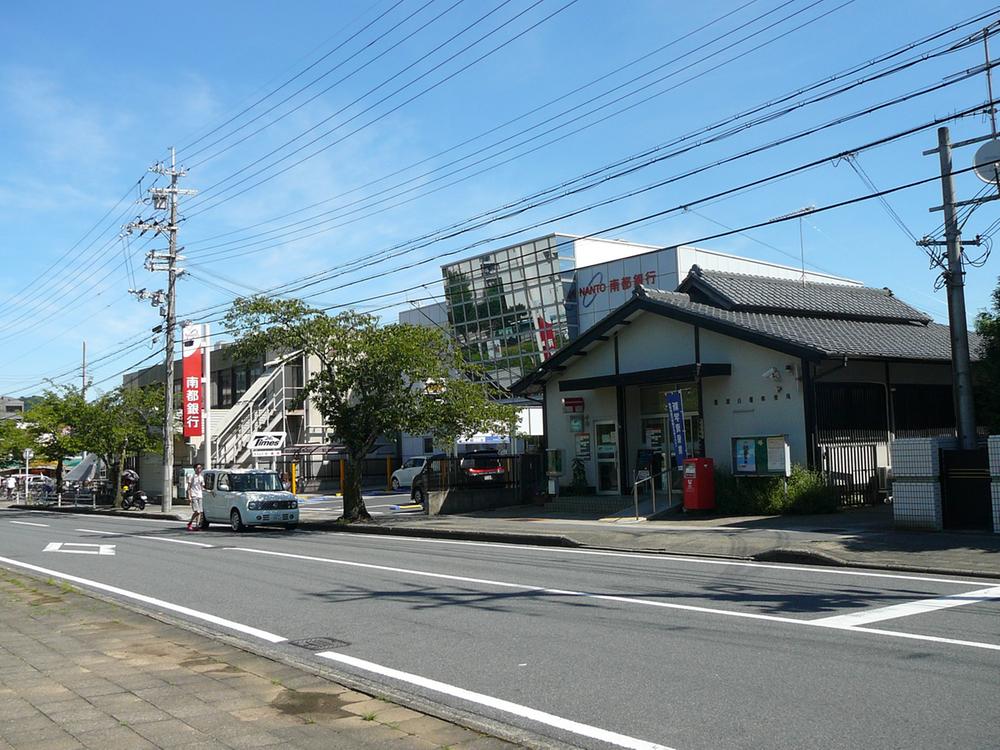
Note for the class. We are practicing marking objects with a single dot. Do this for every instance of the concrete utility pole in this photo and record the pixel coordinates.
(83, 376)
(165, 199)
(961, 366)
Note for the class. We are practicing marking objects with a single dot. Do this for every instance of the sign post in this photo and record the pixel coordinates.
(28, 455)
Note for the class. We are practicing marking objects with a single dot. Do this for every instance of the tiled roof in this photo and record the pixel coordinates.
(829, 336)
(763, 294)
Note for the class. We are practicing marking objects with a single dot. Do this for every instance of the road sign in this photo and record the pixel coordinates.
(28, 454)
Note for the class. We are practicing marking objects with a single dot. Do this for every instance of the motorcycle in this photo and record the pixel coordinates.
(131, 494)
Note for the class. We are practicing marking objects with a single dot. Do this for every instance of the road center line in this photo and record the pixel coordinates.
(525, 712)
(908, 609)
(648, 557)
(29, 523)
(180, 609)
(619, 599)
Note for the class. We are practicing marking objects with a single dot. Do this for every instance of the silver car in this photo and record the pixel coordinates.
(247, 497)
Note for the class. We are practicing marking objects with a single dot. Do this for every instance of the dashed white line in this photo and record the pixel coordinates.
(516, 709)
(175, 541)
(180, 609)
(29, 523)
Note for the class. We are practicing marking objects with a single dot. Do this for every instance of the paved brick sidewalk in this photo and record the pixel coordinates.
(78, 672)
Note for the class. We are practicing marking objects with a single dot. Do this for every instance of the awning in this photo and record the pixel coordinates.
(677, 374)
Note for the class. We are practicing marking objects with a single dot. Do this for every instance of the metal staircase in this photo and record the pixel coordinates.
(263, 408)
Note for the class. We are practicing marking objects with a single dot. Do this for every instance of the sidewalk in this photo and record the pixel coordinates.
(79, 672)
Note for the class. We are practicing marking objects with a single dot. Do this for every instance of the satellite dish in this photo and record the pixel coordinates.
(987, 162)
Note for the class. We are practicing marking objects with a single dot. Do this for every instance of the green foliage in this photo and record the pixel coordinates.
(53, 425)
(122, 420)
(986, 372)
(807, 492)
(579, 485)
(372, 380)
(14, 438)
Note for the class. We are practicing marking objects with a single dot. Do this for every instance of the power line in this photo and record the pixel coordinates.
(384, 114)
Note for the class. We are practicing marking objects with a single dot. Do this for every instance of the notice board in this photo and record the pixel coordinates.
(761, 456)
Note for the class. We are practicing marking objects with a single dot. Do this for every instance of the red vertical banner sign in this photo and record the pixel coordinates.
(191, 374)
(546, 337)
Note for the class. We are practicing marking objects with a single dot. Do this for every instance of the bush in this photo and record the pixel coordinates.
(807, 492)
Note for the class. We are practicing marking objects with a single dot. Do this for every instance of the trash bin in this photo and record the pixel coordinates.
(699, 484)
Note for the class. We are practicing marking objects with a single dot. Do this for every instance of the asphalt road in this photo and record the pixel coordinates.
(590, 648)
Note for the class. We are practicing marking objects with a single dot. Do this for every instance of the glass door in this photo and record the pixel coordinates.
(607, 458)
(655, 438)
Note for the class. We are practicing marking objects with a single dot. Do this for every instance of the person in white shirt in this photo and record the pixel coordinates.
(195, 490)
(10, 485)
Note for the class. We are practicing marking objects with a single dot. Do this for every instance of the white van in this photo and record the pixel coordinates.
(247, 497)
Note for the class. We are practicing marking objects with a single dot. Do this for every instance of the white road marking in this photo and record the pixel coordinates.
(668, 558)
(80, 548)
(95, 531)
(525, 712)
(617, 598)
(524, 586)
(175, 541)
(29, 523)
(106, 518)
(214, 619)
(909, 609)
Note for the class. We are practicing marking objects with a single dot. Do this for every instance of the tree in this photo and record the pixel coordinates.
(121, 421)
(373, 380)
(14, 438)
(53, 425)
(986, 372)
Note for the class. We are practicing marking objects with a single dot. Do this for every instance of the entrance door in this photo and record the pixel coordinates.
(654, 437)
(607, 458)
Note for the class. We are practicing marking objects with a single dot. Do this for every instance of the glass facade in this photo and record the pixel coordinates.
(511, 309)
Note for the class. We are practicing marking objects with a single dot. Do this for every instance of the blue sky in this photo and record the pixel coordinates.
(91, 95)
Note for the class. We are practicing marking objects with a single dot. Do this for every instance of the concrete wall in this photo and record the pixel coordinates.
(470, 500)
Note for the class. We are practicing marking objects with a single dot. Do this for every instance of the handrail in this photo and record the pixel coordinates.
(635, 492)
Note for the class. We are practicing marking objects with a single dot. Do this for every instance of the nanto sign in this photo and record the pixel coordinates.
(192, 402)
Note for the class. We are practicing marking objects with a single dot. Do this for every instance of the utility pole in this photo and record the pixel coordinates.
(165, 199)
(961, 366)
(83, 377)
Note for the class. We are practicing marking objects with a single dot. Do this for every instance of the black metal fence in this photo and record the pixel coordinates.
(524, 474)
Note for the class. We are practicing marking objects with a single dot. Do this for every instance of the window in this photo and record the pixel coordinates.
(264, 481)
(223, 483)
(428, 445)
(209, 480)
(652, 399)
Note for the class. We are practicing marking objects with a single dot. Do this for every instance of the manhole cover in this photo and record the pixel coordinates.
(320, 643)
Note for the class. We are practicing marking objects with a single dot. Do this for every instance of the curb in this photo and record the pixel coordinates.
(83, 510)
(801, 556)
(540, 540)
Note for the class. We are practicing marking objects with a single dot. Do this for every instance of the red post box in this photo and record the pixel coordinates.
(699, 484)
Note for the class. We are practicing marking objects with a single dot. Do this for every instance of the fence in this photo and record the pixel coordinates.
(853, 469)
(520, 478)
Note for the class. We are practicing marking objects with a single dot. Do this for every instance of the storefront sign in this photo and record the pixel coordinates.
(573, 405)
(576, 423)
(583, 446)
(546, 337)
(596, 285)
(191, 375)
(766, 455)
(264, 444)
(675, 415)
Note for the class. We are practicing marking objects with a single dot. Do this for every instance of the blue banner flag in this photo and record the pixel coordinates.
(675, 415)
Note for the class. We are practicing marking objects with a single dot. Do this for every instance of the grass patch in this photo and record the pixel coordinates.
(807, 492)
(370, 716)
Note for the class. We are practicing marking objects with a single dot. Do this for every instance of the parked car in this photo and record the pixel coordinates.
(247, 497)
(403, 476)
(425, 478)
(483, 466)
